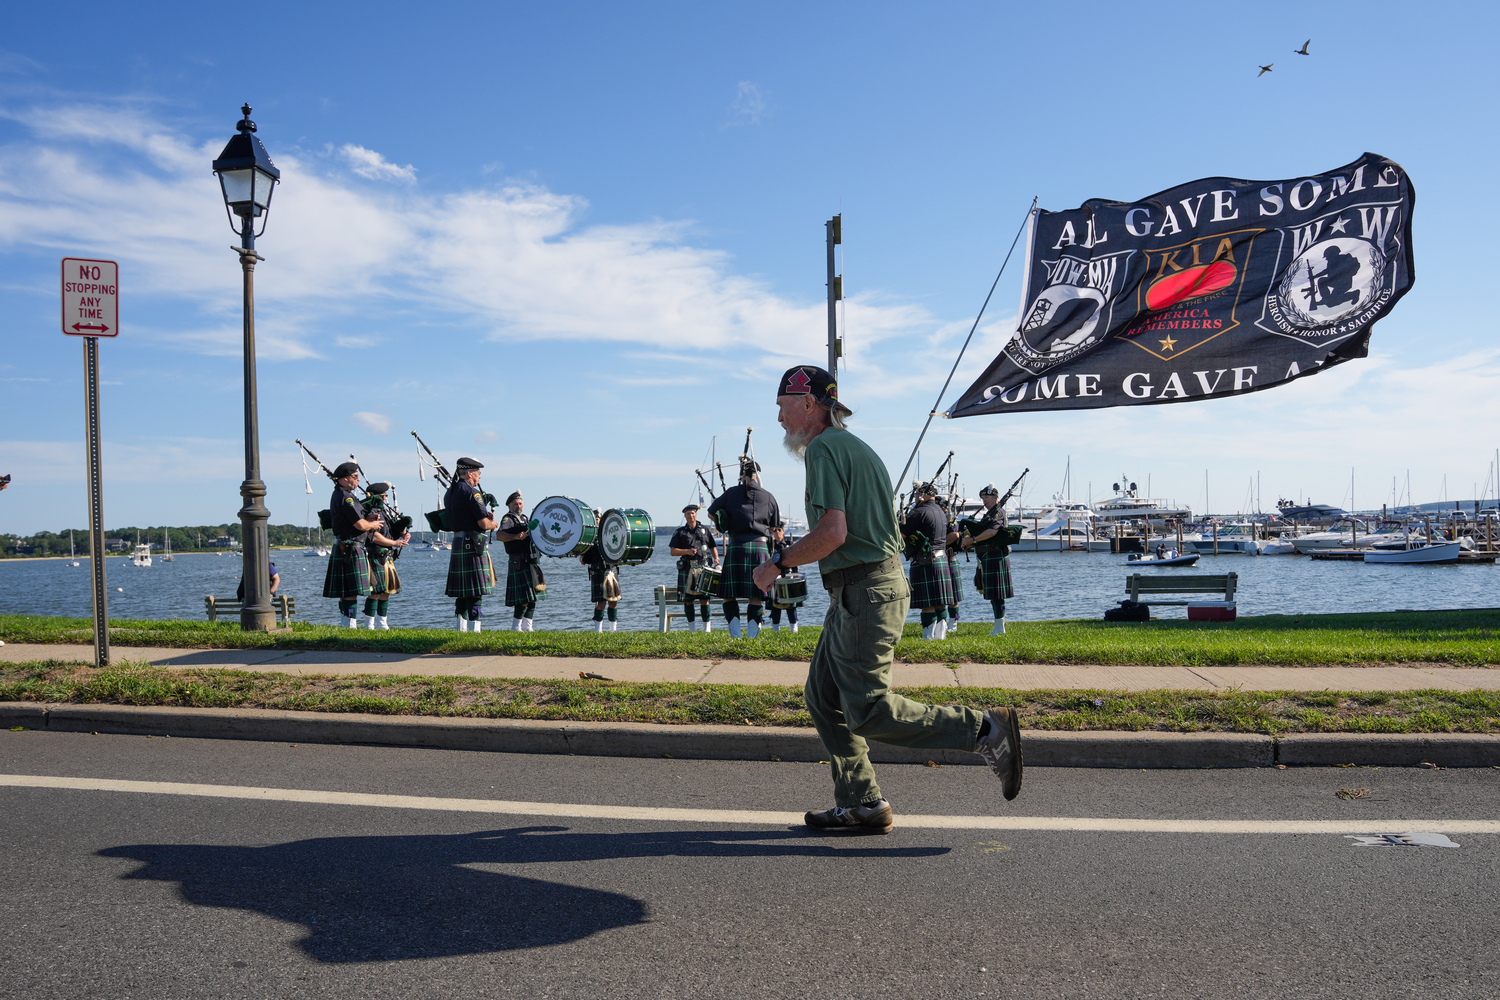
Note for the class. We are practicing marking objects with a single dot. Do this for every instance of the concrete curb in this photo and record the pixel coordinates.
(633, 739)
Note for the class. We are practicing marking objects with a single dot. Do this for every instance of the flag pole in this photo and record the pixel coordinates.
(1029, 212)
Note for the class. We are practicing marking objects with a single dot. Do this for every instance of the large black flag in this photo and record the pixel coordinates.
(1213, 288)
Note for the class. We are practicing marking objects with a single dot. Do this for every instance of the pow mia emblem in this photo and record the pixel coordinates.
(1071, 313)
(1341, 275)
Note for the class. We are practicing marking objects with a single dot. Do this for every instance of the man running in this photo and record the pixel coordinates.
(852, 515)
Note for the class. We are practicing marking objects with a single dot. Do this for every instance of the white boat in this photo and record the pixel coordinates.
(1354, 535)
(1442, 552)
(1236, 538)
(1278, 547)
(141, 556)
(167, 545)
(72, 556)
(1129, 505)
(1169, 557)
(1060, 527)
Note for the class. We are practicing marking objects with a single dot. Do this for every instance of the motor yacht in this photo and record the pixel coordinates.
(1128, 505)
(1351, 533)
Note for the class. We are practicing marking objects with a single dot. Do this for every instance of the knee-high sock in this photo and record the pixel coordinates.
(999, 605)
(731, 610)
(598, 614)
(928, 617)
(347, 607)
(613, 612)
(689, 608)
(753, 612)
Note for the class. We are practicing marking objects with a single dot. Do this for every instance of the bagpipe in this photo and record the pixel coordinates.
(437, 520)
(325, 517)
(1007, 535)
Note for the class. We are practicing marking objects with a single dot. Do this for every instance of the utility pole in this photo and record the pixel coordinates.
(835, 292)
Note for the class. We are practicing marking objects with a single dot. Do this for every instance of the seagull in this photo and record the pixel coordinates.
(1303, 51)
(1263, 71)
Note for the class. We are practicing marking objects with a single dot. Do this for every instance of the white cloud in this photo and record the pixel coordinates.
(355, 343)
(376, 423)
(748, 108)
(505, 262)
(368, 163)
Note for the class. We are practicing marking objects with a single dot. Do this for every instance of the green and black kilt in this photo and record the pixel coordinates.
(740, 562)
(931, 586)
(597, 590)
(470, 572)
(993, 575)
(384, 581)
(348, 573)
(684, 570)
(520, 583)
(955, 579)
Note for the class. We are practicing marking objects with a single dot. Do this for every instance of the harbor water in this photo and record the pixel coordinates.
(1048, 585)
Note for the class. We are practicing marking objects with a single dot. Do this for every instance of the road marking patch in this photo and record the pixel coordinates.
(742, 817)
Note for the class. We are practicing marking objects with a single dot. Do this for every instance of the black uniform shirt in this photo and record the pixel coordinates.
(346, 510)
(465, 509)
(991, 519)
(928, 519)
(698, 538)
(514, 524)
(593, 558)
(750, 511)
(781, 547)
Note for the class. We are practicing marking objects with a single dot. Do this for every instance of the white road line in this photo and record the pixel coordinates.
(745, 817)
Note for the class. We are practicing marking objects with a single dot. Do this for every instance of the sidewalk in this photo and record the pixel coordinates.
(1022, 676)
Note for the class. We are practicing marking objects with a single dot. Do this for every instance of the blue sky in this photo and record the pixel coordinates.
(578, 242)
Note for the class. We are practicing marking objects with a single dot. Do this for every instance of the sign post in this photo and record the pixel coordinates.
(91, 309)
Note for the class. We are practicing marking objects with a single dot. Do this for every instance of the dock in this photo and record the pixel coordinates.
(1358, 555)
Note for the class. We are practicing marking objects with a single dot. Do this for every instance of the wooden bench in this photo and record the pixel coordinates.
(285, 604)
(1137, 584)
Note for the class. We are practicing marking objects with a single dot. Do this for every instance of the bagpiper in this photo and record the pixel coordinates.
(524, 583)
(693, 545)
(348, 576)
(471, 575)
(925, 531)
(744, 513)
(604, 585)
(992, 577)
(955, 575)
(382, 550)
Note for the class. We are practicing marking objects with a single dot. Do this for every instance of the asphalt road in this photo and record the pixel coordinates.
(151, 895)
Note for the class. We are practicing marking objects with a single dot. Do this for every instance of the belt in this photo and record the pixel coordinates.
(855, 574)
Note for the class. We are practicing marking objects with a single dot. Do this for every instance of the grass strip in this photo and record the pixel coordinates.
(1265, 712)
(1461, 638)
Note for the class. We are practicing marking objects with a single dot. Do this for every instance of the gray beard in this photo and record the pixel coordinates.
(796, 444)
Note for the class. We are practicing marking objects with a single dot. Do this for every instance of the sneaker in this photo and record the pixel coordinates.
(874, 818)
(999, 628)
(1001, 749)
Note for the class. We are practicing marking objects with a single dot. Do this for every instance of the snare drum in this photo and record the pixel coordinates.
(703, 581)
(627, 536)
(564, 527)
(789, 591)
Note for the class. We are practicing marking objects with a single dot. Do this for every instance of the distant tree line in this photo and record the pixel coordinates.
(201, 538)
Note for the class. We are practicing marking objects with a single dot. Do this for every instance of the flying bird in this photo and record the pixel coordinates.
(1264, 70)
(1303, 51)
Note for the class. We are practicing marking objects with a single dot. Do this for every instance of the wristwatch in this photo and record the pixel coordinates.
(776, 557)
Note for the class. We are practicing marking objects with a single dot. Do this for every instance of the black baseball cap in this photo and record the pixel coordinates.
(810, 380)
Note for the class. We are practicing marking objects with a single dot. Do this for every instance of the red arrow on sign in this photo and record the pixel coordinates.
(101, 329)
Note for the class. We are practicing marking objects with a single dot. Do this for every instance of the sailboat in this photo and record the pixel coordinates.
(72, 555)
(166, 534)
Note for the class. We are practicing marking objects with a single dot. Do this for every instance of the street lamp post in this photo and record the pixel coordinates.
(247, 178)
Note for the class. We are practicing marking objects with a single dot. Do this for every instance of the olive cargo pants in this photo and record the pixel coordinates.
(849, 687)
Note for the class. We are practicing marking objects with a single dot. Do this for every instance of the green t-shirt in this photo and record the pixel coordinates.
(844, 473)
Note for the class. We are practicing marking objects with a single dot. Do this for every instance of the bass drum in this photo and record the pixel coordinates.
(627, 536)
(562, 527)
